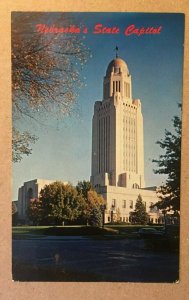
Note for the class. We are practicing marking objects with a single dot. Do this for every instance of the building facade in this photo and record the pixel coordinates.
(118, 147)
(29, 190)
(120, 202)
(117, 138)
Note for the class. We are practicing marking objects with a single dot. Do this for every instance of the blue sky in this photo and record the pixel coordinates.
(63, 151)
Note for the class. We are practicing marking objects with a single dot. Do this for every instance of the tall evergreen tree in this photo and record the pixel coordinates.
(96, 217)
(169, 163)
(139, 215)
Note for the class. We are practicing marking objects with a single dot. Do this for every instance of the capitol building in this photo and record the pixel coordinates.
(117, 152)
(118, 147)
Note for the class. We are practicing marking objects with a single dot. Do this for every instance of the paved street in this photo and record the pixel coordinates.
(87, 259)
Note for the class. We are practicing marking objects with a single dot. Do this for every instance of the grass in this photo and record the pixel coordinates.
(27, 231)
(129, 230)
(170, 241)
(108, 232)
(36, 229)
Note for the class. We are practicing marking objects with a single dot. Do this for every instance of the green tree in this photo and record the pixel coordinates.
(73, 206)
(34, 211)
(169, 164)
(45, 71)
(96, 217)
(139, 215)
(94, 205)
(83, 187)
(60, 202)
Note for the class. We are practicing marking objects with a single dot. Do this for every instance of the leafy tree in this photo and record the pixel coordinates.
(34, 212)
(169, 164)
(45, 70)
(83, 187)
(21, 144)
(73, 206)
(139, 215)
(93, 201)
(96, 217)
(60, 202)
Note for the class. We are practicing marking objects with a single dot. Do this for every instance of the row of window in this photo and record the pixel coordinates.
(127, 92)
(124, 203)
(129, 116)
(129, 146)
(131, 106)
(129, 130)
(122, 219)
(116, 86)
(104, 144)
(150, 220)
(129, 150)
(129, 119)
(130, 113)
(130, 202)
(128, 167)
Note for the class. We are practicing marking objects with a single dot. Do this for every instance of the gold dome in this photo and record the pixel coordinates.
(117, 65)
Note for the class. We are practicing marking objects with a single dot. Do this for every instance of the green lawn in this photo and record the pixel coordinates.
(28, 229)
(127, 230)
(61, 230)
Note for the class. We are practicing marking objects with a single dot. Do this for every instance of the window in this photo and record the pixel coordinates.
(135, 185)
(113, 202)
(116, 86)
(113, 86)
(131, 204)
(124, 204)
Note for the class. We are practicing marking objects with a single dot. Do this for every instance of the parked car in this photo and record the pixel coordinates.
(148, 232)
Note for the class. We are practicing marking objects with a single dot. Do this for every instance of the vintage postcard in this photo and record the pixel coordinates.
(95, 98)
(97, 151)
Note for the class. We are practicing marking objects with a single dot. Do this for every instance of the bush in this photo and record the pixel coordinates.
(96, 218)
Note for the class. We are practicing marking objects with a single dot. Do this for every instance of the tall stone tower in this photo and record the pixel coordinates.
(117, 132)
